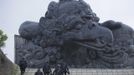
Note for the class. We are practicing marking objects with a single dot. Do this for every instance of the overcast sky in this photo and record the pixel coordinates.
(15, 12)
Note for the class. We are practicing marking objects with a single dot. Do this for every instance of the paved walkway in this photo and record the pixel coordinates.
(74, 71)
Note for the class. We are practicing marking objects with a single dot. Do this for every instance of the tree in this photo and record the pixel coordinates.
(3, 38)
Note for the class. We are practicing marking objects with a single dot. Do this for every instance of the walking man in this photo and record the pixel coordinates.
(47, 69)
(23, 65)
(38, 72)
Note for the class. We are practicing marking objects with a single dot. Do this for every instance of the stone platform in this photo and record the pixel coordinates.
(74, 71)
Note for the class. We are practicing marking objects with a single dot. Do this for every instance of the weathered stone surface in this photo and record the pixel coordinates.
(6, 66)
(70, 32)
(29, 30)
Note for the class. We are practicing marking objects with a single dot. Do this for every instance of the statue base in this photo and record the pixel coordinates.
(86, 71)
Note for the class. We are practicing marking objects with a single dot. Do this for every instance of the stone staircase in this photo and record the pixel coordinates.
(74, 71)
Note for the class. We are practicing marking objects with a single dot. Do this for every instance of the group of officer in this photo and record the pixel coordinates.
(60, 69)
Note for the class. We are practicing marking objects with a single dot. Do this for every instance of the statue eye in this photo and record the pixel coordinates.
(93, 25)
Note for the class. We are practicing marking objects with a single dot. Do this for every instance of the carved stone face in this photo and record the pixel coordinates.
(89, 31)
(70, 32)
(80, 23)
(74, 20)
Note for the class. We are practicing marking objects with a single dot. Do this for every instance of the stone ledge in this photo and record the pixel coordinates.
(74, 71)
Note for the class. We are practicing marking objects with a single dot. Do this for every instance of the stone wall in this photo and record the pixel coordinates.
(6, 66)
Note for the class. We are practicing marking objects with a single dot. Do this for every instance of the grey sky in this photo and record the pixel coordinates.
(14, 12)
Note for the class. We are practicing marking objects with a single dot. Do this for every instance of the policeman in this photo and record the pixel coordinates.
(38, 72)
(47, 69)
(23, 65)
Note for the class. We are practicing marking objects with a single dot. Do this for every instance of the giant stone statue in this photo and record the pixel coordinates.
(70, 32)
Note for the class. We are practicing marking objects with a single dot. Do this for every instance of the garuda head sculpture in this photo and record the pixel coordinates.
(70, 32)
